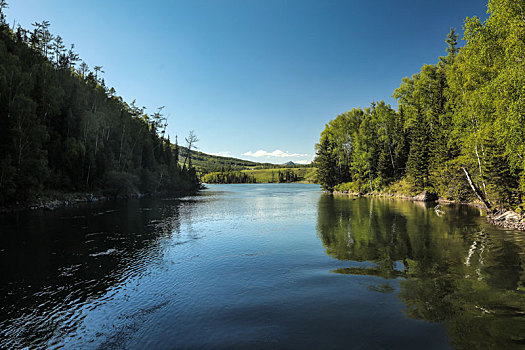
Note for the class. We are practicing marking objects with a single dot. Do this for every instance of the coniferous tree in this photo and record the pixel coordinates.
(326, 164)
(459, 127)
(417, 167)
(504, 182)
(63, 129)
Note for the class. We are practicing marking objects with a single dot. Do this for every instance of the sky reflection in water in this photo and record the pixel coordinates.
(260, 266)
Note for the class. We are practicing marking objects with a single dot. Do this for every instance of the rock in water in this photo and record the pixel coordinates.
(508, 216)
(426, 196)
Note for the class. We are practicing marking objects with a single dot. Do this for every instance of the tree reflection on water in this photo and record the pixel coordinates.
(451, 267)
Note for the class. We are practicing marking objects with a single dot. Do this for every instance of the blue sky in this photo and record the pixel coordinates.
(255, 79)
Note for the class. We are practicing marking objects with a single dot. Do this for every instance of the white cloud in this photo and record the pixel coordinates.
(302, 162)
(222, 154)
(276, 153)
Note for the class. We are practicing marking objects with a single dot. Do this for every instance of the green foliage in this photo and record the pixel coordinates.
(120, 183)
(326, 163)
(401, 187)
(272, 175)
(63, 129)
(466, 112)
(229, 177)
(367, 147)
(504, 182)
(449, 181)
(417, 166)
(348, 187)
(206, 163)
(287, 175)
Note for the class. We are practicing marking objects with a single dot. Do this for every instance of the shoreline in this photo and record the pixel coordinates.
(56, 201)
(507, 219)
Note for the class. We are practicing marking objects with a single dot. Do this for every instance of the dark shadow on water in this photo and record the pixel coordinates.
(52, 263)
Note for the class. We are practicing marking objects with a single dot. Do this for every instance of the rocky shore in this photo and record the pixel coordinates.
(503, 218)
(60, 200)
(508, 219)
(55, 201)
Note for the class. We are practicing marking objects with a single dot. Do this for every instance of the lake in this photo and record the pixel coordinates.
(260, 266)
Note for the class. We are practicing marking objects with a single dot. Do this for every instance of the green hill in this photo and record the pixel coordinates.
(231, 170)
(205, 163)
(303, 173)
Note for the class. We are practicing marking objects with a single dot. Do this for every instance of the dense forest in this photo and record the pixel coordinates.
(459, 127)
(63, 129)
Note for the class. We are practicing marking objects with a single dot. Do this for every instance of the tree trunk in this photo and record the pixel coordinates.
(87, 177)
(481, 171)
(370, 180)
(478, 193)
(392, 159)
(187, 155)
(121, 144)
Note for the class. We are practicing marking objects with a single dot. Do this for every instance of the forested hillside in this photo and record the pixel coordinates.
(459, 129)
(62, 128)
(277, 174)
(205, 163)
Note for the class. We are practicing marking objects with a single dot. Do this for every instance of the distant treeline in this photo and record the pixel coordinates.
(228, 177)
(207, 163)
(459, 130)
(276, 175)
(63, 129)
(287, 175)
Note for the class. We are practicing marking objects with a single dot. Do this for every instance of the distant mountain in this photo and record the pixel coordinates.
(290, 163)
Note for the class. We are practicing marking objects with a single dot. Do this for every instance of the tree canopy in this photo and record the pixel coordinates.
(463, 115)
(62, 128)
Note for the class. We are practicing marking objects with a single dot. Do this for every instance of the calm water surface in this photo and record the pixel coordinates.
(260, 266)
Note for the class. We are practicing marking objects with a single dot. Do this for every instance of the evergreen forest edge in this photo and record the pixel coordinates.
(458, 132)
(62, 129)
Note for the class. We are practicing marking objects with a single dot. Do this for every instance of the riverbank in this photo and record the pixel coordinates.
(147, 267)
(56, 200)
(507, 219)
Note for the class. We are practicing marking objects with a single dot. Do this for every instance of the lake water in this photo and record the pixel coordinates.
(260, 266)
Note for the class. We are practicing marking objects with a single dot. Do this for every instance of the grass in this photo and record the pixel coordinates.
(306, 174)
